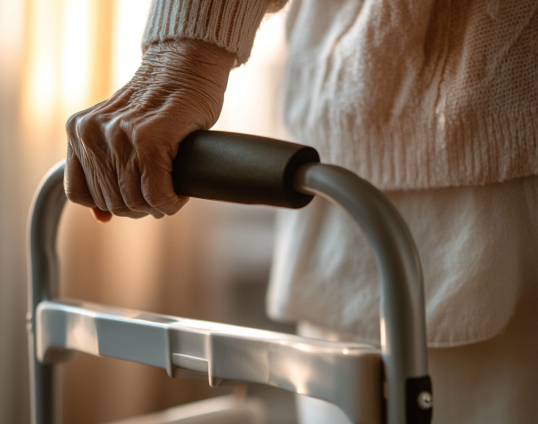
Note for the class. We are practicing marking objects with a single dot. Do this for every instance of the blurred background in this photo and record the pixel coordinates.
(211, 261)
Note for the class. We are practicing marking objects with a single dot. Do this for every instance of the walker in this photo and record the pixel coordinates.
(371, 386)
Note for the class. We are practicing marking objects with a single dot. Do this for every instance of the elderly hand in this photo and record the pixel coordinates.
(120, 151)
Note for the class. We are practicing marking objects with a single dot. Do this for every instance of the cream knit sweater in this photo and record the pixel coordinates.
(407, 94)
(429, 100)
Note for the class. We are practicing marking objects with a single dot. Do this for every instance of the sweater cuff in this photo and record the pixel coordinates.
(230, 24)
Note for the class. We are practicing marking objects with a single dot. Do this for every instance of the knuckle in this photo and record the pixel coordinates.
(80, 122)
(140, 130)
(89, 127)
(71, 122)
(117, 138)
(143, 136)
(71, 125)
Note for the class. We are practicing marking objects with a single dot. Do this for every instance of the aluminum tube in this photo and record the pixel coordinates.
(403, 335)
(45, 215)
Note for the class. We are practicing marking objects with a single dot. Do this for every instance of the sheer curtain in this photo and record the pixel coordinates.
(13, 364)
(58, 57)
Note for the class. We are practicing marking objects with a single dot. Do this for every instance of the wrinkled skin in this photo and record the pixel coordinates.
(120, 151)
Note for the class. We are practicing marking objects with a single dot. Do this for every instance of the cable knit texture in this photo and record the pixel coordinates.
(230, 24)
(410, 95)
(414, 95)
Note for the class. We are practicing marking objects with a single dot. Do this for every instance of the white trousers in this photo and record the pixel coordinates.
(491, 382)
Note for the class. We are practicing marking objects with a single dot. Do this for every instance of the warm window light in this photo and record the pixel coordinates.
(11, 21)
(129, 22)
(61, 40)
(41, 75)
(75, 53)
(57, 78)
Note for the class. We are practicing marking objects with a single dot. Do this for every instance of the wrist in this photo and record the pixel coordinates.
(184, 72)
(196, 53)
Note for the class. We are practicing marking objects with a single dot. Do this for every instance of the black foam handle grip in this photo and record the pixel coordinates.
(240, 168)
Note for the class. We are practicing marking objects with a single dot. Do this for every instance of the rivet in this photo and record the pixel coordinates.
(425, 400)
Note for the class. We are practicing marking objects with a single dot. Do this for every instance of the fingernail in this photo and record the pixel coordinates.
(101, 216)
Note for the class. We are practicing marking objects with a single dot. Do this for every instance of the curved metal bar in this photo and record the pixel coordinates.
(46, 210)
(402, 304)
(403, 333)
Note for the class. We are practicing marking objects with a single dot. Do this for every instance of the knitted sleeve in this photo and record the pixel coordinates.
(230, 24)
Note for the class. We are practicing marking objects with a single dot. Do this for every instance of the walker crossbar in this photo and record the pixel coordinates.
(336, 372)
(348, 375)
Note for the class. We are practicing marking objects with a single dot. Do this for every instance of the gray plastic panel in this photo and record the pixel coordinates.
(345, 374)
